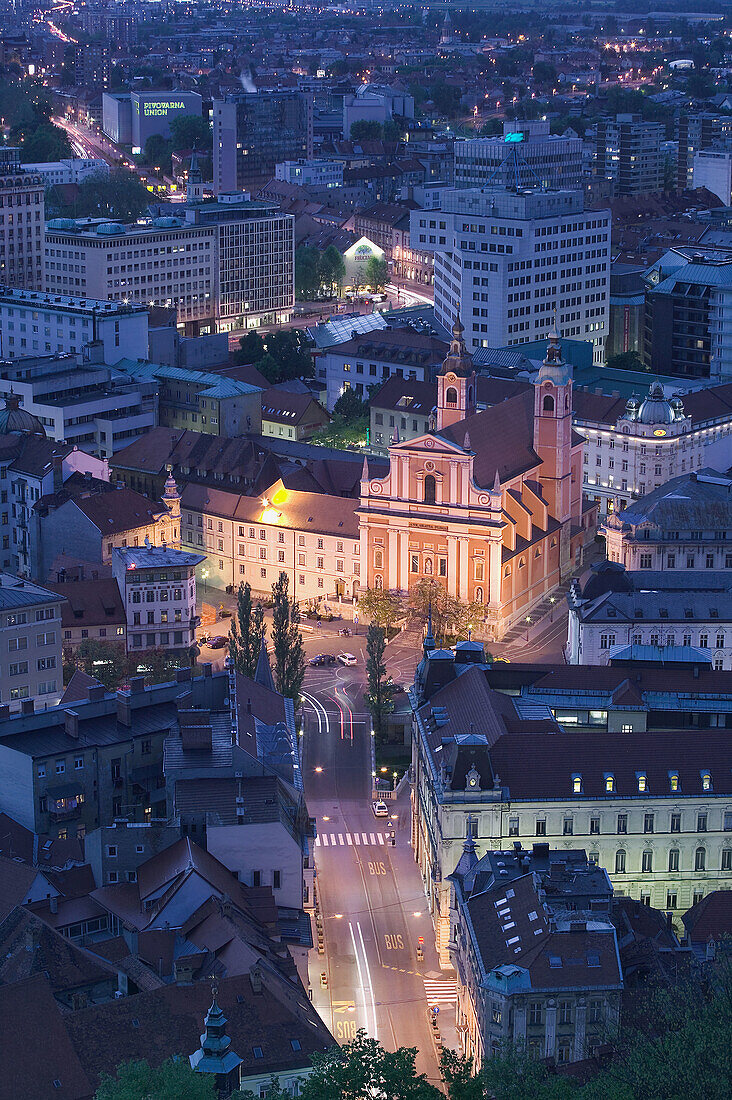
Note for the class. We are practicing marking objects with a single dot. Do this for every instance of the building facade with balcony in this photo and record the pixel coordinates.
(157, 585)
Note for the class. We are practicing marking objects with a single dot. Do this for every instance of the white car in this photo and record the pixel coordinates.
(347, 659)
(380, 809)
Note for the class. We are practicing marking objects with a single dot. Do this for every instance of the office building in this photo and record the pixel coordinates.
(527, 155)
(30, 645)
(131, 118)
(254, 131)
(370, 358)
(629, 152)
(313, 174)
(687, 328)
(33, 323)
(222, 265)
(157, 585)
(73, 170)
(654, 807)
(22, 198)
(511, 265)
(77, 398)
(712, 169)
(697, 131)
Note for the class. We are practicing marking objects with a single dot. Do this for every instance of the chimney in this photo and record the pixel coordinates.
(4, 711)
(182, 972)
(255, 977)
(95, 692)
(124, 709)
(207, 670)
(58, 473)
(183, 675)
(578, 926)
(27, 707)
(71, 724)
(53, 904)
(31, 938)
(137, 685)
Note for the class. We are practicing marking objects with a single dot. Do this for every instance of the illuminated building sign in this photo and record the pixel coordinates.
(162, 108)
(513, 138)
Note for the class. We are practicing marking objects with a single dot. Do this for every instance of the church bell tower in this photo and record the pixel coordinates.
(455, 383)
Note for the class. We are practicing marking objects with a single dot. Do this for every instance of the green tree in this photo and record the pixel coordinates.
(251, 348)
(107, 661)
(307, 272)
(381, 606)
(274, 1092)
(446, 98)
(544, 73)
(246, 632)
(289, 654)
(350, 407)
(190, 132)
(377, 273)
(366, 129)
(363, 1070)
(120, 195)
(626, 360)
(380, 695)
(459, 1077)
(449, 614)
(332, 270)
(171, 1081)
(44, 142)
(157, 152)
(393, 130)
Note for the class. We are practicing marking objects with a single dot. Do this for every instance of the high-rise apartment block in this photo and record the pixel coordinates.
(254, 131)
(628, 151)
(698, 131)
(526, 156)
(21, 224)
(92, 65)
(509, 263)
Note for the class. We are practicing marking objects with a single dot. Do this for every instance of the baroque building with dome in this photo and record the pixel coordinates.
(637, 444)
(487, 503)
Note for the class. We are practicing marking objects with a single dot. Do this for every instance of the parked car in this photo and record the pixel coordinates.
(380, 809)
(347, 659)
(321, 659)
(217, 642)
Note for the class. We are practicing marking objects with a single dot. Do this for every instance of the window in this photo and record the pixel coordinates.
(565, 1012)
(78, 762)
(548, 405)
(622, 823)
(513, 826)
(701, 822)
(675, 823)
(451, 396)
(430, 489)
(414, 567)
(609, 783)
(706, 779)
(648, 823)
(568, 826)
(111, 850)
(594, 826)
(60, 767)
(671, 899)
(700, 859)
(541, 826)
(726, 864)
(257, 1052)
(276, 880)
(620, 861)
(647, 861)
(727, 821)
(673, 859)
(577, 784)
(535, 1014)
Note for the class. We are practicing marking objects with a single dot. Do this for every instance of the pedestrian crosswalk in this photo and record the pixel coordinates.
(440, 991)
(334, 840)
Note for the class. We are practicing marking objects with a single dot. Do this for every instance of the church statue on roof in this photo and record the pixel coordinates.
(487, 502)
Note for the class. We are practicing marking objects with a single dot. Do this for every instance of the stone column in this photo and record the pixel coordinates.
(404, 560)
(550, 1039)
(464, 567)
(392, 579)
(519, 1023)
(452, 565)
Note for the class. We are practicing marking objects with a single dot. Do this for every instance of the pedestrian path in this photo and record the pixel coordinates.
(334, 840)
(440, 991)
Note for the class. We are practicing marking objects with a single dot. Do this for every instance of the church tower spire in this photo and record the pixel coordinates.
(214, 1054)
(455, 382)
(553, 437)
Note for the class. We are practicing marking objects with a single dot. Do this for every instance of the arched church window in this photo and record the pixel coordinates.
(548, 403)
(451, 396)
(430, 489)
(566, 402)
(470, 395)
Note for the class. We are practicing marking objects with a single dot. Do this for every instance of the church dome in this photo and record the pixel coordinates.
(15, 419)
(656, 409)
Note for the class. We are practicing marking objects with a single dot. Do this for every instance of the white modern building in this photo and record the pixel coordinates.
(222, 265)
(30, 644)
(682, 619)
(636, 446)
(713, 170)
(158, 589)
(311, 173)
(527, 155)
(72, 170)
(21, 232)
(33, 322)
(510, 264)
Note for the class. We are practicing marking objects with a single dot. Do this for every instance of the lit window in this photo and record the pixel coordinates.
(706, 779)
(673, 778)
(642, 782)
(577, 784)
(609, 783)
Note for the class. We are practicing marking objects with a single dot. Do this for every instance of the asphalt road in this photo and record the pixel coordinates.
(370, 893)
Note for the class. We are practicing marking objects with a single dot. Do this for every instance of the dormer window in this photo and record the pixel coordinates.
(609, 783)
(706, 779)
(673, 780)
(642, 782)
(577, 783)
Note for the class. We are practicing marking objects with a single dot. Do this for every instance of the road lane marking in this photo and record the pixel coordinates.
(323, 840)
(358, 966)
(368, 972)
(335, 840)
(373, 838)
(341, 841)
(349, 838)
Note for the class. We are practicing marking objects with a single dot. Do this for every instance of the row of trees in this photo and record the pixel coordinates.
(451, 617)
(26, 109)
(280, 356)
(248, 632)
(319, 274)
(110, 663)
(186, 132)
(120, 195)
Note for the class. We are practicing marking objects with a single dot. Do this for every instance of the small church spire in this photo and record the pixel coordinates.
(214, 1055)
(456, 382)
(263, 673)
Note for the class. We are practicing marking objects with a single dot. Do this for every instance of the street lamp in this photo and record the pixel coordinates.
(528, 624)
(204, 575)
(552, 601)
